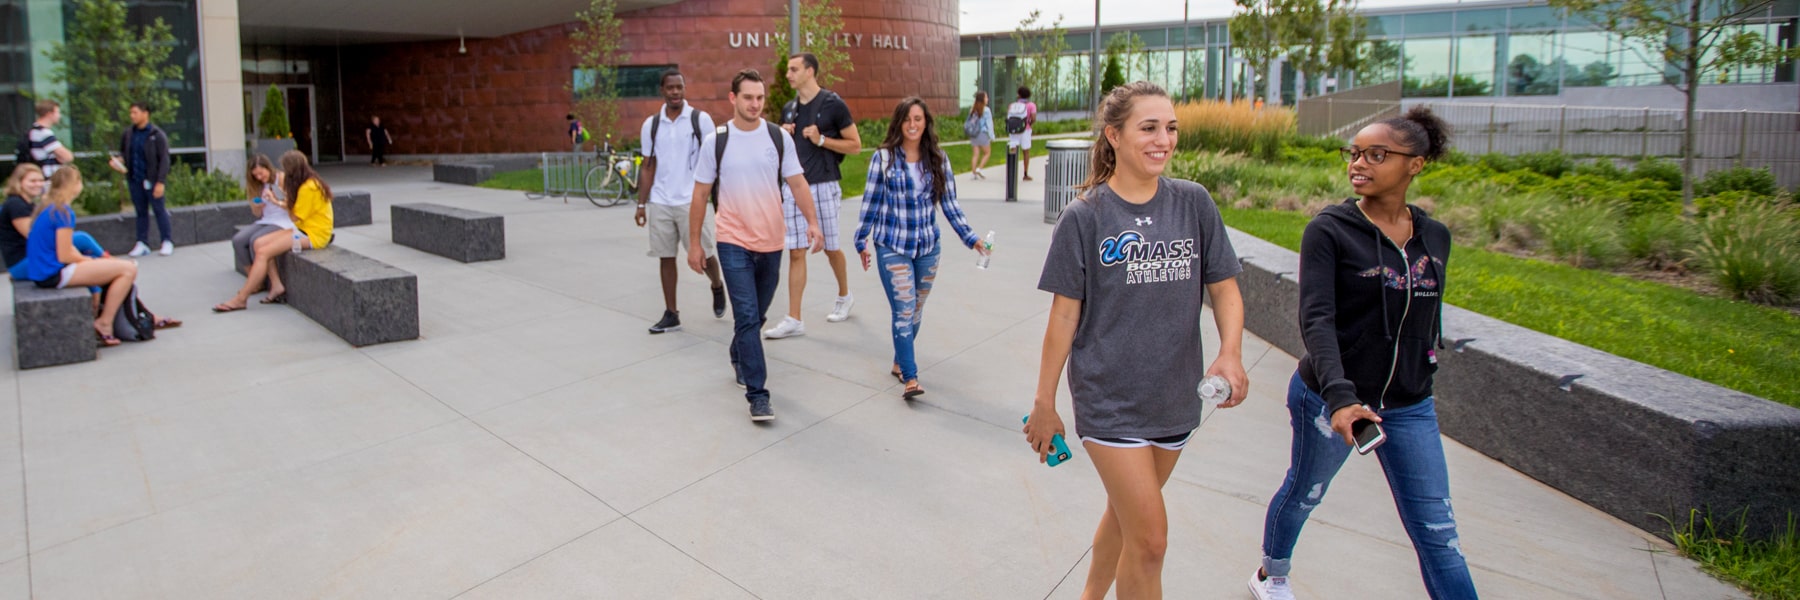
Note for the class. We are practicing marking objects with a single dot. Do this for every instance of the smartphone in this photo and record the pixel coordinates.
(1060, 450)
(1368, 434)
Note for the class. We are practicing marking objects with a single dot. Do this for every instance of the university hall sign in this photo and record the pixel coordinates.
(758, 39)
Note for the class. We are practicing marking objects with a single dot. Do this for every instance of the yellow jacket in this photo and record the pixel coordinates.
(311, 212)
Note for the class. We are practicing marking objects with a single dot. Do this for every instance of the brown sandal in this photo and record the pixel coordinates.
(912, 390)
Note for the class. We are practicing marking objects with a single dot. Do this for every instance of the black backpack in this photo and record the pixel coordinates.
(656, 124)
(22, 153)
(719, 156)
(134, 323)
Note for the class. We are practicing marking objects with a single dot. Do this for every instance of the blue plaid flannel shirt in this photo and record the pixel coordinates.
(898, 212)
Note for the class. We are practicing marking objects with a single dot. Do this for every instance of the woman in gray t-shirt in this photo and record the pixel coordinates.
(1130, 264)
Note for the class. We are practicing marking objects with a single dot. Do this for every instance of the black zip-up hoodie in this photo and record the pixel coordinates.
(1370, 316)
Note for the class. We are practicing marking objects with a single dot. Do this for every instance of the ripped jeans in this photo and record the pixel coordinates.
(907, 281)
(1412, 458)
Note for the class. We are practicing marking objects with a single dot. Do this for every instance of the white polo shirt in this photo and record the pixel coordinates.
(677, 152)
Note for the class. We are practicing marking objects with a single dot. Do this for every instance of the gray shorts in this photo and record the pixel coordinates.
(669, 230)
(828, 197)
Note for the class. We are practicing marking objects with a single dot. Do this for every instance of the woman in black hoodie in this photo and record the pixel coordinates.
(1371, 300)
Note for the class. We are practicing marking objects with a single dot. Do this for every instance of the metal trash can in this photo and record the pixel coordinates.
(1066, 167)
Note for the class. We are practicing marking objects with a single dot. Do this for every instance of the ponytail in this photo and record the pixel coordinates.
(1103, 159)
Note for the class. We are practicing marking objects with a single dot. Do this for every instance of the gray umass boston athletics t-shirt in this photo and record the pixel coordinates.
(1140, 272)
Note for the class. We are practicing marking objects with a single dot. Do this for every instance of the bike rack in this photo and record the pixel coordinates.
(563, 173)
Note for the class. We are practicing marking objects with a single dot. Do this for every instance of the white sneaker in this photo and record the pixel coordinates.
(139, 250)
(167, 248)
(841, 309)
(789, 327)
(1270, 588)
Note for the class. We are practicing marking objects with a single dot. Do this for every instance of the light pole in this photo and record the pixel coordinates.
(1094, 68)
(793, 27)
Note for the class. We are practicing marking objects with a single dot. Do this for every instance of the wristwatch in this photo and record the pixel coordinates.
(641, 205)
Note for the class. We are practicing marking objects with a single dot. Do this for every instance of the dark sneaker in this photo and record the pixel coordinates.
(670, 322)
(719, 302)
(761, 411)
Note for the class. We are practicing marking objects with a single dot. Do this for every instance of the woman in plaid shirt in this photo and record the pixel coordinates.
(909, 178)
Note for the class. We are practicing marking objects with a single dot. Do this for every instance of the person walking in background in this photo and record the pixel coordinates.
(1021, 116)
(747, 160)
(49, 153)
(255, 247)
(378, 139)
(1130, 263)
(824, 132)
(1372, 275)
(578, 135)
(980, 129)
(909, 179)
(666, 192)
(144, 159)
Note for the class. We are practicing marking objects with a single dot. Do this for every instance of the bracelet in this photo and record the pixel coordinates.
(641, 205)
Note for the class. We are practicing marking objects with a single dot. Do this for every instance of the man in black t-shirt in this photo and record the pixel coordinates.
(823, 133)
(378, 139)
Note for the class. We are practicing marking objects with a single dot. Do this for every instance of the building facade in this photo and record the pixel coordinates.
(461, 76)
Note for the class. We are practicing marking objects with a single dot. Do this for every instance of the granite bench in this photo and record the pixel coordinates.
(454, 233)
(52, 326)
(362, 300)
(1627, 438)
(474, 170)
(212, 222)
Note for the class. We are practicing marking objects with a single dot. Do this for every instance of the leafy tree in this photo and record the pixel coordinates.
(1255, 35)
(1316, 36)
(105, 66)
(1040, 55)
(273, 122)
(820, 24)
(597, 43)
(1112, 75)
(1697, 39)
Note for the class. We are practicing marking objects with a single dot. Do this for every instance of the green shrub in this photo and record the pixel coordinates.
(1758, 181)
(1550, 164)
(1455, 158)
(1499, 162)
(1312, 157)
(1753, 253)
(1585, 234)
(98, 198)
(1511, 221)
(1659, 240)
(188, 186)
(1600, 167)
(1640, 199)
(1730, 200)
(1522, 180)
(1656, 169)
(1315, 142)
(272, 123)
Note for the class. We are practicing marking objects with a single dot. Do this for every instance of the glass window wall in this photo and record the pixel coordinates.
(1474, 67)
(1535, 67)
(1427, 68)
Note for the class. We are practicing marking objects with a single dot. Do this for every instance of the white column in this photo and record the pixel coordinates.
(222, 86)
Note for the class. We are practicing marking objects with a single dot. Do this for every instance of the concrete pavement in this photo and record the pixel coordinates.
(537, 443)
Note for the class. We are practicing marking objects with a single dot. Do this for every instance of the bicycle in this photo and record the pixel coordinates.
(613, 179)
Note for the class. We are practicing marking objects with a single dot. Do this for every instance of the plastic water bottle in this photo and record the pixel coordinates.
(299, 242)
(981, 261)
(1214, 390)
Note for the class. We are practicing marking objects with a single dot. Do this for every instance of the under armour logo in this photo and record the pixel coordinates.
(1144, 221)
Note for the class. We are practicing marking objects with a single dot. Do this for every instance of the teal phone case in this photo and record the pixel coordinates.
(1056, 442)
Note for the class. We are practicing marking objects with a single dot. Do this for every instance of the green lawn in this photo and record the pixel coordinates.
(855, 169)
(1745, 347)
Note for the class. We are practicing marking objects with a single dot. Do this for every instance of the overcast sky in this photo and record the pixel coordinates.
(991, 16)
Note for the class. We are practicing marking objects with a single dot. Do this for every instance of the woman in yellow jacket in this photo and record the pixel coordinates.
(311, 207)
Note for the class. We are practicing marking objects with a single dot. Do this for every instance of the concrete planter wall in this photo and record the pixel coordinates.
(474, 170)
(1625, 437)
(210, 222)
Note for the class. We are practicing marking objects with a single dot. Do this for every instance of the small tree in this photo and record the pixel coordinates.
(597, 43)
(1255, 32)
(1697, 40)
(107, 65)
(272, 123)
(820, 24)
(1040, 55)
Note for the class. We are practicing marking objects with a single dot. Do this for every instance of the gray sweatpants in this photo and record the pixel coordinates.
(244, 243)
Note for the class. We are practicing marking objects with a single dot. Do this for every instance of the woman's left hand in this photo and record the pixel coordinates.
(1231, 367)
(983, 249)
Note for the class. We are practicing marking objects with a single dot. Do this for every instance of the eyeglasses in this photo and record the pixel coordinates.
(1375, 155)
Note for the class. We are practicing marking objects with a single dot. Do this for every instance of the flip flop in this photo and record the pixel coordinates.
(106, 341)
(913, 391)
(219, 308)
(897, 376)
(167, 323)
(277, 299)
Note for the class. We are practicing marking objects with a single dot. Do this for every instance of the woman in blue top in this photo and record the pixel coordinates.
(52, 261)
(909, 178)
(981, 145)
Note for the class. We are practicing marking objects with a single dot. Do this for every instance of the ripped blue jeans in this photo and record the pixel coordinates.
(1412, 458)
(907, 281)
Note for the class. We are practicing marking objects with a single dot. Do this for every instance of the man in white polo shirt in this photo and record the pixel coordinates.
(671, 148)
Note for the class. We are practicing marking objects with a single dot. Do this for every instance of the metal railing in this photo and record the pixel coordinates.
(563, 173)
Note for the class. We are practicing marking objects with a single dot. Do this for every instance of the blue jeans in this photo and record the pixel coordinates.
(143, 202)
(1412, 457)
(750, 280)
(908, 282)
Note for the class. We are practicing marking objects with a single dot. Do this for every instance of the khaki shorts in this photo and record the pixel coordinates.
(668, 227)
